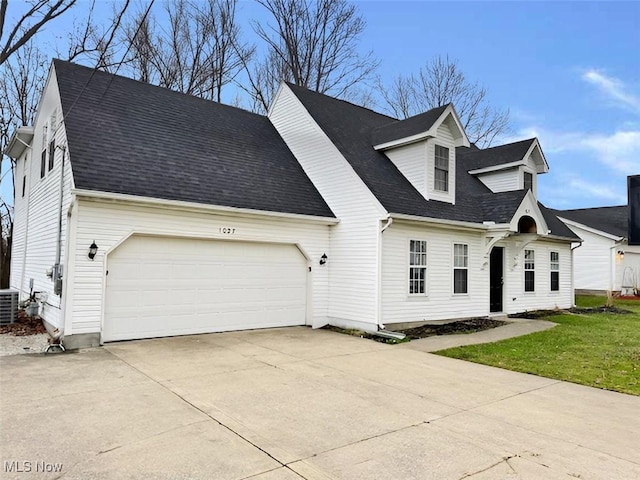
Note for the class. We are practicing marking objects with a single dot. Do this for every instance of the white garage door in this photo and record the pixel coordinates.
(159, 286)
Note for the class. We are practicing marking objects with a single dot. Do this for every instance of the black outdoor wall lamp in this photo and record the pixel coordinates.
(93, 249)
(323, 259)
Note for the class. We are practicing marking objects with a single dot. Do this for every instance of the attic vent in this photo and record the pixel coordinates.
(53, 123)
(527, 224)
(8, 306)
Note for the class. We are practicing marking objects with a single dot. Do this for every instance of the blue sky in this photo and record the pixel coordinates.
(569, 72)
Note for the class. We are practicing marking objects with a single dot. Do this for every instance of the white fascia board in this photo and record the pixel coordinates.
(460, 225)
(536, 144)
(496, 168)
(192, 206)
(529, 207)
(405, 141)
(20, 141)
(595, 231)
(450, 110)
(431, 133)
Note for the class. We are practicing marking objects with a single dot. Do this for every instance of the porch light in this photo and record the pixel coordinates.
(93, 249)
(323, 259)
(619, 255)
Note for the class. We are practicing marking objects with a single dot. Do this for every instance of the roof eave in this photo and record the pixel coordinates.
(20, 141)
(439, 221)
(184, 205)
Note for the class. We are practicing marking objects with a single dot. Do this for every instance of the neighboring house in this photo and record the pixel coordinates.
(142, 212)
(605, 261)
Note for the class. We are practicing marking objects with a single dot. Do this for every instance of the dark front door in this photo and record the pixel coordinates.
(496, 279)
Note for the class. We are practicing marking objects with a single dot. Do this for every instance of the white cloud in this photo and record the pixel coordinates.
(619, 151)
(613, 88)
(597, 190)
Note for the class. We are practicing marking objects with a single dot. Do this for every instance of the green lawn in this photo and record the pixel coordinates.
(600, 350)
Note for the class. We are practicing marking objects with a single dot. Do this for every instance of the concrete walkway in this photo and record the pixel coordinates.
(296, 403)
(516, 327)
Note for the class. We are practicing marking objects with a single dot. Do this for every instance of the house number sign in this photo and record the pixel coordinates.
(227, 230)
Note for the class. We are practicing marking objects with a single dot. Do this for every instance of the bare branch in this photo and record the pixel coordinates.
(42, 10)
(311, 44)
(441, 82)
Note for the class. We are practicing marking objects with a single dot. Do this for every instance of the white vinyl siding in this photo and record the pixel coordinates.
(460, 268)
(36, 219)
(502, 181)
(411, 160)
(516, 299)
(353, 263)
(441, 303)
(109, 224)
(417, 267)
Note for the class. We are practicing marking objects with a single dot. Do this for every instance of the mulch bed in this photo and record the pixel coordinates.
(24, 326)
(603, 309)
(628, 297)
(470, 325)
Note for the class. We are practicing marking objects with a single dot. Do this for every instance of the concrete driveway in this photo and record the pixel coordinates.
(299, 403)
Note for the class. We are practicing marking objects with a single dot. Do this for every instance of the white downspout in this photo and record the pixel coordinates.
(382, 230)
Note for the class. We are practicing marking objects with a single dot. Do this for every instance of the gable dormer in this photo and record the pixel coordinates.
(423, 148)
(514, 166)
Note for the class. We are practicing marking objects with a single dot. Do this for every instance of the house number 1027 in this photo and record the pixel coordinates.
(227, 230)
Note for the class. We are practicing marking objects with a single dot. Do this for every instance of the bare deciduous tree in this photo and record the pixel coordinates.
(313, 44)
(441, 82)
(198, 53)
(21, 81)
(29, 23)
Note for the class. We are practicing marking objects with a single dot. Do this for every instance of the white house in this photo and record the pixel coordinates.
(605, 261)
(142, 212)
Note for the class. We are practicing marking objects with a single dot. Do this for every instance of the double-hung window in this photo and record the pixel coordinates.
(43, 156)
(52, 140)
(528, 181)
(529, 271)
(417, 267)
(441, 169)
(554, 267)
(460, 268)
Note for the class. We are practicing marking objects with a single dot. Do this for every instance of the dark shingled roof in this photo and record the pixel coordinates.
(474, 159)
(349, 127)
(612, 220)
(133, 138)
(399, 129)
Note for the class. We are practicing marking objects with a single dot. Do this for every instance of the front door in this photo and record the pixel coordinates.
(496, 279)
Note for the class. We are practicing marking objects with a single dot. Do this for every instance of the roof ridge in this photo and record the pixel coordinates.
(290, 84)
(151, 85)
(591, 208)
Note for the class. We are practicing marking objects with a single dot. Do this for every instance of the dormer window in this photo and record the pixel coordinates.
(441, 169)
(528, 181)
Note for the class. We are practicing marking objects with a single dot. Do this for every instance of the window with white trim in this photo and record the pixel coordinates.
(52, 139)
(441, 169)
(417, 267)
(554, 267)
(43, 155)
(528, 181)
(460, 268)
(529, 271)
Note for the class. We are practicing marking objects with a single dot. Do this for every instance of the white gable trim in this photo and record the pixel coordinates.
(572, 223)
(517, 163)
(181, 205)
(497, 168)
(536, 145)
(529, 207)
(431, 133)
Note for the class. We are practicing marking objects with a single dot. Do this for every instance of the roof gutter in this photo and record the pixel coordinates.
(192, 206)
(439, 222)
